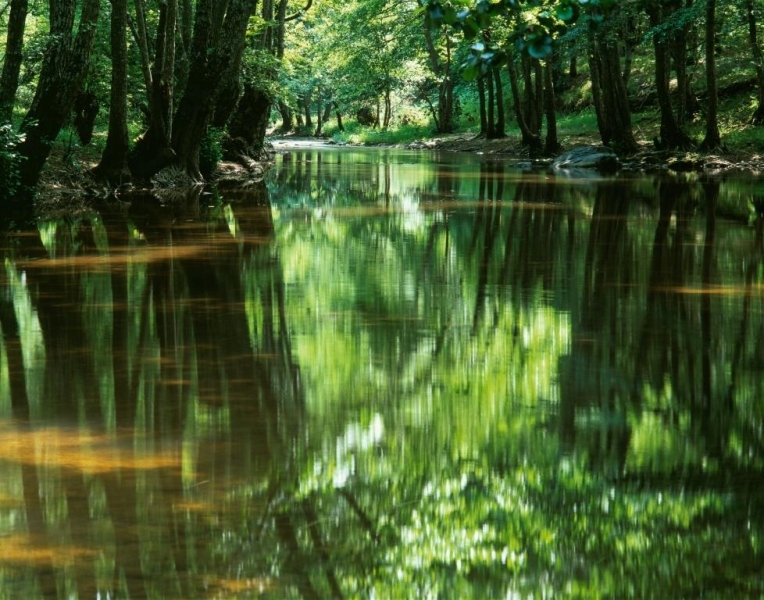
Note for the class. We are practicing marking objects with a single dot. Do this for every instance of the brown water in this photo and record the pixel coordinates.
(388, 375)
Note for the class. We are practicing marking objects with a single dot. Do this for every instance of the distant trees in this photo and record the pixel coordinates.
(197, 70)
(535, 28)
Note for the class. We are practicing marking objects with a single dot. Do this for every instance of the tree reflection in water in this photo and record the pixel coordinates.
(509, 385)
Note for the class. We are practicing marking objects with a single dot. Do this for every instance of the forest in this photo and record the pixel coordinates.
(120, 91)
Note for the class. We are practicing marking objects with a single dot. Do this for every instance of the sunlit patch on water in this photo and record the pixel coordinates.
(74, 449)
(24, 550)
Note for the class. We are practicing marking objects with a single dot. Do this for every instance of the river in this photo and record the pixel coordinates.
(388, 374)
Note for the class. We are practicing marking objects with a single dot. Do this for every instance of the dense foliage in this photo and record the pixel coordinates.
(146, 79)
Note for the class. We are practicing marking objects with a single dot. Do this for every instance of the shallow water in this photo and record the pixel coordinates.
(388, 374)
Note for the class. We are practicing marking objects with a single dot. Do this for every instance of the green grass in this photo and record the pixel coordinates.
(402, 134)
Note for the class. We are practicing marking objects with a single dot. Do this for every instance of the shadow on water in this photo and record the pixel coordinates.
(386, 377)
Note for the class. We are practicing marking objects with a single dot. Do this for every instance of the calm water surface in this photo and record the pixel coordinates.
(386, 375)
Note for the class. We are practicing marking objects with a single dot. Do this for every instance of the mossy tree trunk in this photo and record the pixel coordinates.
(113, 166)
(441, 66)
(672, 136)
(552, 145)
(246, 129)
(14, 46)
(217, 47)
(63, 71)
(611, 100)
(153, 150)
(713, 138)
(758, 60)
(530, 138)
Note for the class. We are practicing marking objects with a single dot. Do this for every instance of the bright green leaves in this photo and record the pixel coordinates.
(538, 45)
(566, 12)
(536, 23)
(481, 60)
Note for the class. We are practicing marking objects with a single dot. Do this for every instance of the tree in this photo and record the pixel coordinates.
(216, 50)
(63, 71)
(663, 29)
(440, 62)
(113, 167)
(758, 60)
(14, 45)
(713, 138)
(609, 91)
(153, 151)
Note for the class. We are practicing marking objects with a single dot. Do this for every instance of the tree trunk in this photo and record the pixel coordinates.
(319, 115)
(287, 117)
(481, 103)
(113, 166)
(596, 77)
(533, 104)
(185, 31)
(672, 135)
(14, 46)
(687, 103)
(552, 145)
(388, 109)
(227, 103)
(498, 130)
(441, 69)
(758, 60)
(713, 139)
(490, 101)
(306, 101)
(153, 151)
(246, 129)
(614, 114)
(63, 70)
(215, 60)
(529, 138)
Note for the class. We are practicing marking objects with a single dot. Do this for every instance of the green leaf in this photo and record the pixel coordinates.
(565, 13)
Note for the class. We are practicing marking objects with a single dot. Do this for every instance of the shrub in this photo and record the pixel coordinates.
(10, 159)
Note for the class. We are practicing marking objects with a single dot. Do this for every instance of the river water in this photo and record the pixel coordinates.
(388, 374)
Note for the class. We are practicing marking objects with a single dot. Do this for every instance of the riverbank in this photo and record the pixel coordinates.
(647, 159)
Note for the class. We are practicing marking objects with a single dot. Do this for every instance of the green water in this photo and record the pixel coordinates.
(388, 374)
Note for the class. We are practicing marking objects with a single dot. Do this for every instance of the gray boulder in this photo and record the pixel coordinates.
(595, 158)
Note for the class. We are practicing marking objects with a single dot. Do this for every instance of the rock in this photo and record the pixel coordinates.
(596, 158)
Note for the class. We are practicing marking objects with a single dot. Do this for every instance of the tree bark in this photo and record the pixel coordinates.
(481, 104)
(552, 145)
(713, 138)
(63, 71)
(614, 114)
(246, 129)
(14, 46)
(498, 130)
(490, 131)
(758, 60)
(672, 135)
(287, 117)
(529, 138)
(215, 60)
(113, 166)
(441, 69)
(153, 150)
